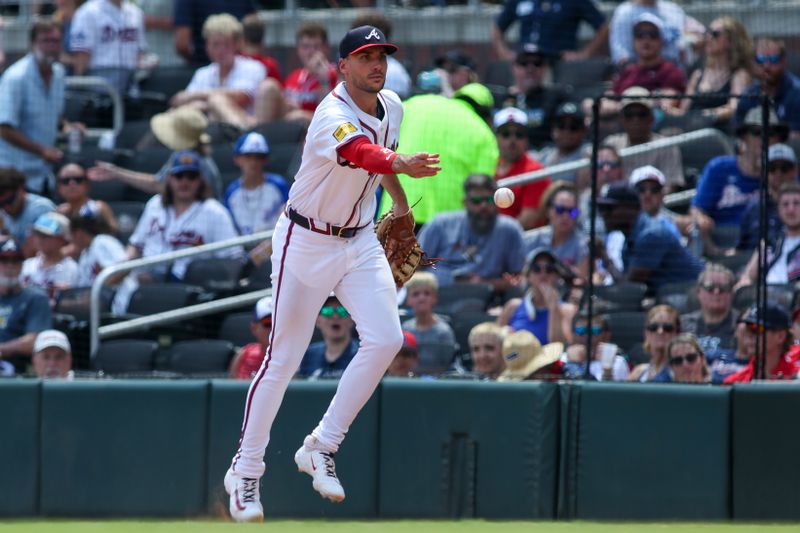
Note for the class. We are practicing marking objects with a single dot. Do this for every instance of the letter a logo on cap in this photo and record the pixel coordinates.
(373, 33)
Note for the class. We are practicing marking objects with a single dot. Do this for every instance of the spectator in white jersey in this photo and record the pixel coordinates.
(50, 269)
(257, 198)
(107, 39)
(95, 248)
(226, 88)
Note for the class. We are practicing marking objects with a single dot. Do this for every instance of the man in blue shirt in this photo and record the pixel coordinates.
(475, 245)
(31, 105)
(329, 357)
(652, 253)
(552, 26)
(781, 86)
(19, 209)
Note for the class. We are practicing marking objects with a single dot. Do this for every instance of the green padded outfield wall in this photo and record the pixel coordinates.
(648, 452)
(19, 447)
(464, 449)
(766, 451)
(284, 490)
(124, 448)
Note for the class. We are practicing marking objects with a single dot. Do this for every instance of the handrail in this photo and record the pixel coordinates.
(85, 82)
(666, 142)
(127, 266)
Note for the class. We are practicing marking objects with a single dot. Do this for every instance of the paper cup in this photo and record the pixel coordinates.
(607, 353)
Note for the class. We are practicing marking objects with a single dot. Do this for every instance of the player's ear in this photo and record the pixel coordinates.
(342, 64)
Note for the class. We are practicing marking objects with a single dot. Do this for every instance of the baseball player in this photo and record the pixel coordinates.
(324, 242)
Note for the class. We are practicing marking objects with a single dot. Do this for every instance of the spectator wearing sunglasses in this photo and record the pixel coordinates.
(652, 254)
(20, 208)
(476, 244)
(775, 326)
(687, 362)
(672, 18)
(729, 182)
(562, 235)
(782, 169)
(661, 325)
(182, 216)
(329, 357)
(541, 309)
(569, 138)
(637, 124)
(714, 324)
(73, 186)
(649, 183)
(772, 79)
(511, 131)
(533, 92)
(783, 257)
(248, 359)
(574, 358)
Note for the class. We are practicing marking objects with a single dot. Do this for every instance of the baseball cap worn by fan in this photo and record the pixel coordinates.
(636, 96)
(510, 115)
(618, 193)
(409, 341)
(775, 316)
(185, 161)
(457, 58)
(569, 110)
(263, 309)
(251, 143)
(782, 152)
(363, 37)
(52, 224)
(51, 338)
(649, 18)
(645, 173)
(524, 355)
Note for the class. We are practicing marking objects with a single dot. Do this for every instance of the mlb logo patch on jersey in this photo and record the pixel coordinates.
(343, 130)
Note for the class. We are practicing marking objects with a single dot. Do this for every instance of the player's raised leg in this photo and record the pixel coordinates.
(368, 292)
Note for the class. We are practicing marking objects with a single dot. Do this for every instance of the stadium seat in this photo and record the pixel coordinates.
(695, 155)
(681, 295)
(282, 132)
(284, 159)
(127, 214)
(780, 293)
(498, 73)
(627, 328)
(222, 153)
(582, 73)
(125, 355)
(151, 298)
(435, 357)
(167, 81)
(735, 263)
(200, 356)
(258, 277)
(75, 301)
(149, 160)
(450, 295)
(626, 295)
(108, 191)
(235, 328)
(215, 273)
(131, 133)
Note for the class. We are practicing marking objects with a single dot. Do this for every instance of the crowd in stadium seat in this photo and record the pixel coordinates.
(210, 149)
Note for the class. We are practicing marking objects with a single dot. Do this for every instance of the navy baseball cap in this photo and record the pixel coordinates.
(363, 37)
(775, 316)
(618, 193)
(251, 143)
(185, 161)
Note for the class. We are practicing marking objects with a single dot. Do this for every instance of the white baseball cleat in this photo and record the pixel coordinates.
(245, 500)
(320, 466)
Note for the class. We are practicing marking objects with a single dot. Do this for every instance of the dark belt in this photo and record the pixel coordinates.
(323, 228)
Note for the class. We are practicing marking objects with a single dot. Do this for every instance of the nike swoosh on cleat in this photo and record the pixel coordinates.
(239, 506)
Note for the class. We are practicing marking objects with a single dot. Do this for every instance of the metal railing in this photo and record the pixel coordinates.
(670, 200)
(97, 332)
(94, 82)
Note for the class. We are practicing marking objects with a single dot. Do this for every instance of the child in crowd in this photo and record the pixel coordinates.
(248, 359)
(50, 269)
(256, 199)
(329, 357)
(95, 248)
(432, 332)
(486, 349)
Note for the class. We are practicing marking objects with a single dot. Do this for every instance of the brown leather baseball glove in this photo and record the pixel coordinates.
(396, 235)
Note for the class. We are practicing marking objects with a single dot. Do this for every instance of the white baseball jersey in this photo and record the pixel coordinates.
(50, 279)
(159, 230)
(104, 251)
(113, 36)
(325, 189)
(245, 76)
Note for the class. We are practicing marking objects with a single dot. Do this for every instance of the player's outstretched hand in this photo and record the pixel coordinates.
(419, 165)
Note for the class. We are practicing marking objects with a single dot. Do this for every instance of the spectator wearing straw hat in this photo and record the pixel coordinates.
(775, 325)
(182, 128)
(52, 355)
(511, 131)
(248, 359)
(527, 360)
(782, 169)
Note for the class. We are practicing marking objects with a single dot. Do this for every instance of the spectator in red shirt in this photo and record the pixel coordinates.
(305, 87)
(511, 130)
(651, 70)
(248, 360)
(777, 362)
(253, 46)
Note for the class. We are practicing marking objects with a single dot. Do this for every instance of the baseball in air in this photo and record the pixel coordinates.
(503, 197)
